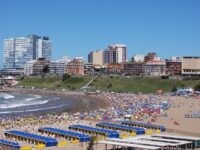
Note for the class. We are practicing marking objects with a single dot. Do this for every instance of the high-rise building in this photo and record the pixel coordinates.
(96, 58)
(110, 56)
(9, 53)
(113, 54)
(18, 51)
(43, 48)
(119, 53)
(33, 43)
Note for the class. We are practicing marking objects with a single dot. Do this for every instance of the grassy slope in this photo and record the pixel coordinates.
(138, 84)
(55, 82)
(119, 84)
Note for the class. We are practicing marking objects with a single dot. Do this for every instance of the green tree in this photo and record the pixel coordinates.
(65, 77)
(45, 69)
(174, 88)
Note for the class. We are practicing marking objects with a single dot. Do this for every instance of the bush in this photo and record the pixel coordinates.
(65, 77)
(22, 78)
(197, 87)
(164, 77)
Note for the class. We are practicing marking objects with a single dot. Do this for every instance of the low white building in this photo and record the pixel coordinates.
(28, 68)
(138, 58)
(57, 68)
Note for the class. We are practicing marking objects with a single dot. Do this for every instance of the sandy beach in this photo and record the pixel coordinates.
(176, 113)
(111, 107)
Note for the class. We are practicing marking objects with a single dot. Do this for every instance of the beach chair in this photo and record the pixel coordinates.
(198, 115)
(193, 115)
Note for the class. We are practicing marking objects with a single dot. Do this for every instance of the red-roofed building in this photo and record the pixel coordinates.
(114, 68)
(75, 67)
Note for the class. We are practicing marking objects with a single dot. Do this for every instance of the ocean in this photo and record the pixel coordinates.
(15, 103)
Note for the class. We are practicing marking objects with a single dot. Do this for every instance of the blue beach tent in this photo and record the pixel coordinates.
(108, 133)
(137, 130)
(46, 140)
(81, 137)
(11, 144)
(144, 125)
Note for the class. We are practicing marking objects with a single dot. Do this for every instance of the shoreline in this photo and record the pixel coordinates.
(79, 101)
(42, 91)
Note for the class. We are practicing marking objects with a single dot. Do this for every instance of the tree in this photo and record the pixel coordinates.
(45, 69)
(174, 88)
(65, 77)
(91, 143)
(197, 87)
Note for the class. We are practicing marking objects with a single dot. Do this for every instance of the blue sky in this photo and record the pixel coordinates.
(168, 27)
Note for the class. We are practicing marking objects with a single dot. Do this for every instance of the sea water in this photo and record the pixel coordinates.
(13, 103)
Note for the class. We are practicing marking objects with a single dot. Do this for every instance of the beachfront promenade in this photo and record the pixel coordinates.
(164, 110)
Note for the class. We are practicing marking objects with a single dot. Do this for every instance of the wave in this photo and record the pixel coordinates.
(15, 105)
(35, 97)
(33, 110)
(6, 96)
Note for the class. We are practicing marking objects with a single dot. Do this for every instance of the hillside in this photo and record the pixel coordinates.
(108, 83)
(139, 84)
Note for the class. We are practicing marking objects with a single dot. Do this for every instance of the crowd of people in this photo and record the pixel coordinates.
(120, 106)
(138, 107)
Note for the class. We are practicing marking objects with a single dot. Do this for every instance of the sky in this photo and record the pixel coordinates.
(76, 27)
